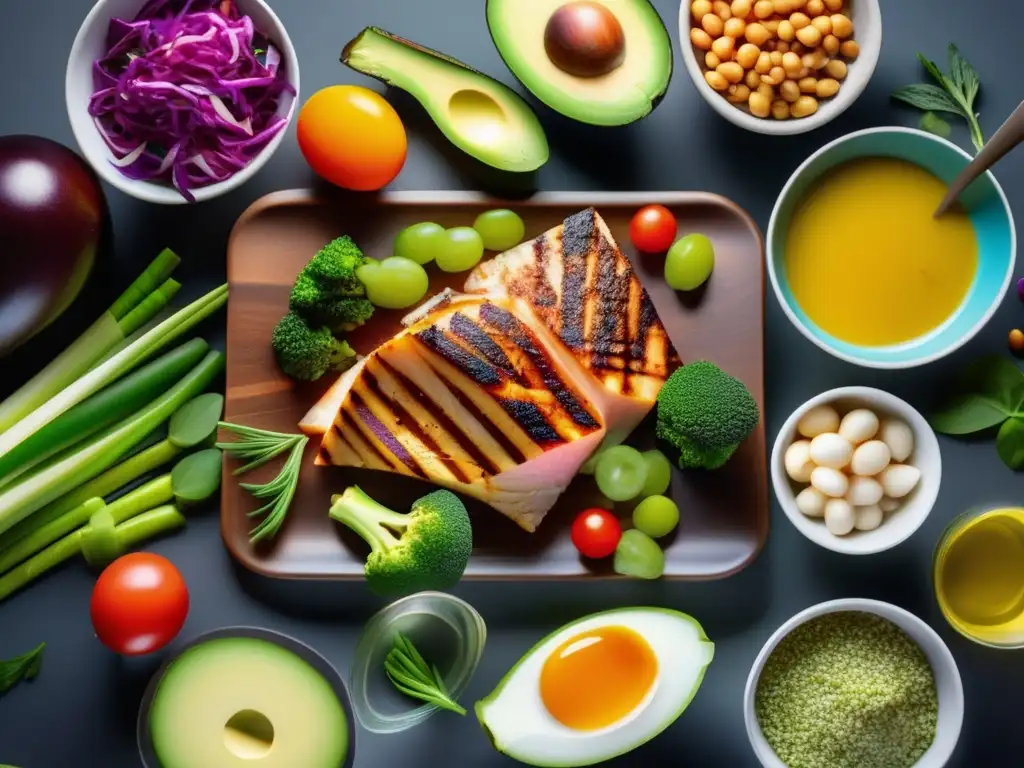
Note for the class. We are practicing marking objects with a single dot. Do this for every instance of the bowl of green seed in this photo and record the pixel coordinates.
(854, 684)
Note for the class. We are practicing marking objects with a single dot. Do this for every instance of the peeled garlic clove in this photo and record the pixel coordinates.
(818, 420)
(870, 458)
(839, 517)
(867, 518)
(888, 505)
(798, 461)
(864, 491)
(899, 437)
(859, 425)
(897, 479)
(831, 450)
(811, 502)
(830, 482)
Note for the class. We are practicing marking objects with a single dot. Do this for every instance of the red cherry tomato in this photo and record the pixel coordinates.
(653, 229)
(596, 533)
(139, 604)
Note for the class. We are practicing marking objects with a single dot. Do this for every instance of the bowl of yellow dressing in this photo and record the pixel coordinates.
(862, 267)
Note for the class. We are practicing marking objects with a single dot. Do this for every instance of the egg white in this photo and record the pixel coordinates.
(521, 726)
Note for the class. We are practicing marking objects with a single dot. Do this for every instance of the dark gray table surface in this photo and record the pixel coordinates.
(81, 711)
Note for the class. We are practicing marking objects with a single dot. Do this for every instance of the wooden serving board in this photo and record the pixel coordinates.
(724, 513)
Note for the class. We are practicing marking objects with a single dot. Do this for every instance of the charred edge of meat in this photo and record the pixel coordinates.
(611, 292)
(480, 371)
(510, 325)
(485, 462)
(648, 318)
(349, 424)
(529, 417)
(385, 436)
(544, 293)
(578, 232)
(406, 420)
(477, 338)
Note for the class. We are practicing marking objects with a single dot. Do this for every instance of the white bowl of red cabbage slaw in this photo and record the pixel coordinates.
(179, 101)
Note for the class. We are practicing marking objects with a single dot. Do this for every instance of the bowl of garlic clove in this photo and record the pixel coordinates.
(856, 470)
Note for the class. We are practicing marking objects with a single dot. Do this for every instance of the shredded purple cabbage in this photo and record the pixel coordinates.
(187, 93)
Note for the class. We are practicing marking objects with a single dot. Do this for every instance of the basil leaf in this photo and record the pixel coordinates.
(936, 125)
(964, 76)
(930, 97)
(20, 668)
(1010, 443)
(998, 379)
(966, 414)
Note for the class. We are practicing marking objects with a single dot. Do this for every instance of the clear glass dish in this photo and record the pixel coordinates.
(446, 630)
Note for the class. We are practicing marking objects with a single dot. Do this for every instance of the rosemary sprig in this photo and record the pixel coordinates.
(257, 447)
(410, 674)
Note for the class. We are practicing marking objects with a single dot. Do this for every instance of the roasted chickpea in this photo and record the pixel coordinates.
(780, 109)
(716, 80)
(775, 76)
(757, 34)
(764, 8)
(741, 8)
(764, 63)
(700, 38)
(791, 63)
(776, 58)
(759, 105)
(772, 25)
(752, 80)
(735, 27)
(842, 27)
(771, 45)
(700, 8)
(808, 84)
(782, 47)
(823, 24)
(834, 5)
(738, 94)
(786, 31)
(814, 8)
(789, 91)
(830, 44)
(731, 71)
(747, 55)
(804, 106)
(711, 60)
(826, 88)
(815, 60)
(850, 49)
(809, 36)
(722, 9)
(799, 20)
(724, 48)
(836, 69)
(767, 91)
(713, 24)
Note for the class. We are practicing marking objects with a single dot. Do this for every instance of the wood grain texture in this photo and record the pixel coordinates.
(724, 513)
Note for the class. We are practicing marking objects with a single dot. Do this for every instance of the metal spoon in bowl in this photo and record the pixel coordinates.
(1009, 135)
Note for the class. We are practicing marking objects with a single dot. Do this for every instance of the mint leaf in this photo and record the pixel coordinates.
(20, 668)
(967, 414)
(928, 97)
(963, 75)
(1010, 443)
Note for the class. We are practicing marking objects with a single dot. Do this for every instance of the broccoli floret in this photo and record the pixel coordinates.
(705, 413)
(323, 307)
(334, 267)
(426, 549)
(307, 352)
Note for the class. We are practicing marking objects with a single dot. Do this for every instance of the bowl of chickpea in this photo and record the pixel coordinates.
(780, 67)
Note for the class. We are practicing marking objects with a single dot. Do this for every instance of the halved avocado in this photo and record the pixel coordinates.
(476, 113)
(638, 76)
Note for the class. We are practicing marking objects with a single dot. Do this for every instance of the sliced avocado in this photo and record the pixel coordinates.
(237, 702)
(476, 113)
(638, 69)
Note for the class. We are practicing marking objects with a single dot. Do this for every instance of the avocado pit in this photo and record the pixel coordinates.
(585, 39)
(249, 735)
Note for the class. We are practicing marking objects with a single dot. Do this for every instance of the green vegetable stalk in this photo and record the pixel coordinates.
(410, 674)
(136, 306)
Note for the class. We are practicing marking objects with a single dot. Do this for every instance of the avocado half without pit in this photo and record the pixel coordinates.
(604, 62)
(479, 115)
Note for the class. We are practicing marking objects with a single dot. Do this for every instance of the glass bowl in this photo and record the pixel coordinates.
(447, 631)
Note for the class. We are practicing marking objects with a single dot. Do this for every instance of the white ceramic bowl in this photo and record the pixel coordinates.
(867, 26)
(947, 678)
(90, 44)
(897, 526)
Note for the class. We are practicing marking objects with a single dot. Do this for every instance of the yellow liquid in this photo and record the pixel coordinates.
(867, 262)
(979, 577)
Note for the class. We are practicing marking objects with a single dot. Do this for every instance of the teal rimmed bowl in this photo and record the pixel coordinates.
(984, 201)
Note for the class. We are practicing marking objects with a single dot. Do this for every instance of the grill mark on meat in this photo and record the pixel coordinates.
(529, 417)
(544, 293)
(407, 421)
(476, 337)
(350, 424)
(577, 237)
(485, 462)
(480, 371)
(515, 331)
(384, 435)
(608, 334)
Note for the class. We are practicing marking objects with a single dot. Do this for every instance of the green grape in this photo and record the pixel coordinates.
(462, 250)
(689, 262)
(659, 473)
(639, 556)
(656, 516)
(621, 473)
(420, 242)
(501, 229)
(393, 283)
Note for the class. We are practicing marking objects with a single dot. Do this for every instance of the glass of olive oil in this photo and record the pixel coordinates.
(979, 576)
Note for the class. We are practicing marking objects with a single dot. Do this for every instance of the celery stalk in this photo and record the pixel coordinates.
(97, 340)
(115, 367)
(43, 537)
(19, 501)
(149, 525)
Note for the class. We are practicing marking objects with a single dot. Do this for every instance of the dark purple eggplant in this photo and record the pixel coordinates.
(52, 213)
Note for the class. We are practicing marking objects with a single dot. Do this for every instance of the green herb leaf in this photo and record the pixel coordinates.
(1010, 443)
(196, 421)
(929, 97)
(963, 75)
(24, 667)
(409, 672)
(989, 391)
(967, 414)
(936, 125)
(196, 478)
(935, 72)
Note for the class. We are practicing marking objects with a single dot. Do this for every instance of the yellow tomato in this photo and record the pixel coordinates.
(352, 137)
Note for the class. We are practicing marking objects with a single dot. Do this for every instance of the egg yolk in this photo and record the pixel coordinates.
(597, 677)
